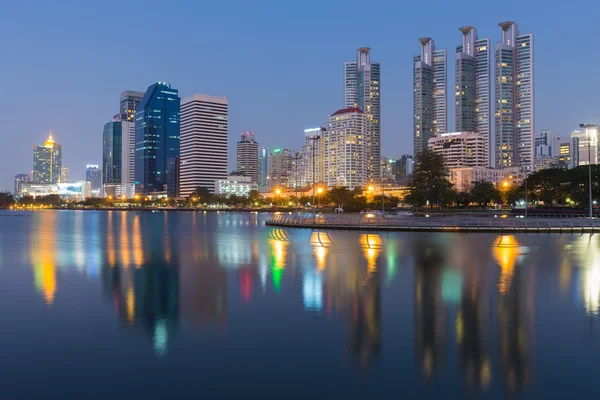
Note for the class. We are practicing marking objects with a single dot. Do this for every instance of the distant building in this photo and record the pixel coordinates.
(344, 149)
(461, 149)
(585, 146)
(157, 143)
(204, 141)
(405, 167)
(310, 163)
(362, 90)
(263, 167)
(118, 159)
(281, 168)
(564, 158)
(75, 191)
(47, 162)
(388, 170)
(237, 185)
(129, 102)
(19, 180)
(247, 156)
(463, 178)
(93, 175)
(64, 174)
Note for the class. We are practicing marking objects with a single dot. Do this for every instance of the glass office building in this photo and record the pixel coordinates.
(157, 140)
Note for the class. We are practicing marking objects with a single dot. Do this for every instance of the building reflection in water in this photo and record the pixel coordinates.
(42, 254)
(587, 253)
(278, 242)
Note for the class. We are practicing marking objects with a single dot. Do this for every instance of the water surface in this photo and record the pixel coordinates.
(205, 305)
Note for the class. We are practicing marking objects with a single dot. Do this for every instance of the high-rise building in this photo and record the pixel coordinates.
(204, 121)
(20, 179)
(362, 89)
(406, 166)
(429, 91)
(118, 159)
(64, 174)
(263, 166)
(473, 83)
(282, 168)
(546, 149)
(93, 175)
(344, 160)
(129, 102)
(247, 156)
(47, 162)
(461, 149)
(514, 99)
(387, 169)
(310, 162)
(585, 146)
(157, 141)
(564, 158)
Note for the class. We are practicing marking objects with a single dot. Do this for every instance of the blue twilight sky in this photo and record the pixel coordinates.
(64, 64)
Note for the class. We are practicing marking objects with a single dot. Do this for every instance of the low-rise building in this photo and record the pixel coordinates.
(74, 191)
(236, 185)
(463, 178)
(461, 149)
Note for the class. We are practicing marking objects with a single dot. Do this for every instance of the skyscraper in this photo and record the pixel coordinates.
(281, 168)
(263, 166)
(93, 175)
(344, 149)
(19, 180)
(118, 159)
(514, 98)
(473, 84)
(129, 102)
(157, 142)
(310, 163)
(47, 162)
(429, 91)
(362, 87)
(247, 156)
(203, 142)
(64, 174)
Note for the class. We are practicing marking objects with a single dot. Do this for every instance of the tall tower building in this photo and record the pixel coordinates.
(20, 179)
(203, 142)
(514, 98)
(344, 157)
(281, 168)
(247, 156)
(47, 162)
(362, 89)
(93, 175)
(157, 140)
(473, 83)
(429, 90)
(118, 159)
(310, 163)
(64, 174)
(263, 166)
(129, 102)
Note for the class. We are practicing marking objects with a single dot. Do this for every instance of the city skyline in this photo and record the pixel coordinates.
(79, 125)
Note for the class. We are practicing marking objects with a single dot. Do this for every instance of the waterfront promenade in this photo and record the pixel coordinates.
(439, 222)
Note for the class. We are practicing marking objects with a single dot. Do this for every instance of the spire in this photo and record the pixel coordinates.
(50, 141)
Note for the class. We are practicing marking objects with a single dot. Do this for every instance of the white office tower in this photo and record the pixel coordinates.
(362, 89)
(128, 158)
(247, 156)
(310, 162)
(461, 149)
(473, 83)
(282, 171)
(344, 149)
(514, 98)
(203, 136)
(429, 91)
(585, 146)
(546, 150)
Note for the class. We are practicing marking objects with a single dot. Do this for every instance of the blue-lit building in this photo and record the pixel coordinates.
(157, 140)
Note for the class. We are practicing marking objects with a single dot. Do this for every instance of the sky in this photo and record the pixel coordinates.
(63, 64)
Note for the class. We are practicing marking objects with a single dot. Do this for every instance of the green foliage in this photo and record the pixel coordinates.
(6, 200)
(483, 193)
(429, 182)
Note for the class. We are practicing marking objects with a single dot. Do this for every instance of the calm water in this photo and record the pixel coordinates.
(195, 305)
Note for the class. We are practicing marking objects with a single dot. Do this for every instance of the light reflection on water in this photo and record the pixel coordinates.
(453, 313)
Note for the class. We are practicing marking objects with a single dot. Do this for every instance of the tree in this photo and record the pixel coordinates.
(429, 182)
(483, 192)
(6, 200)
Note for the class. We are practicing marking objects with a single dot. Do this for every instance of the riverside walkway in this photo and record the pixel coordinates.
(439, 223)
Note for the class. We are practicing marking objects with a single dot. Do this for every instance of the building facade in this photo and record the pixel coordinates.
(20, 179)
(74, 191)
(429, 94)
(128, 104)
(93, 175)
(64, 174)
(461, 149)
(263, 167)
(247, 156)
(463, 178)
(514, 99)
(362, 89)
(585, 146)
(473, 83)
(204, 124)
(282, 169)
(235, 185)
(118, 160)
(310, 162)
(157, 142)
(344, 156)
(47, 162)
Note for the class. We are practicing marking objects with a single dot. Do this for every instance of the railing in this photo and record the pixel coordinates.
(456, 223)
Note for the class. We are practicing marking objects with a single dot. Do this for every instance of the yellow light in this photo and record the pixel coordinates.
(371, 188)
(320, 190)
(505, 184)
(278, 192)
(110, 197)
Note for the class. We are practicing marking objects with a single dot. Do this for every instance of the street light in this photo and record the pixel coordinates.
(319, 191)
(588, 128)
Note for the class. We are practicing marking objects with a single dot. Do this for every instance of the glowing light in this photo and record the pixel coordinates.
(130, 302)
(505, 252)
(278, 192)
(371, 188)
(319, 190)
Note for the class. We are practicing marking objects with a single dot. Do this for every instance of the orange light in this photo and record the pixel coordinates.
(320, 190)
(371, 188)
(278, 192)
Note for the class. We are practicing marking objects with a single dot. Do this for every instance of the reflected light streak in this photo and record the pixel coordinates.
(138, 253)
(161, 337)
(505, 252)
(110, 241)
(312, 291)
(278, 256)
(371, 244)
(130, 305)
(124, 239)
